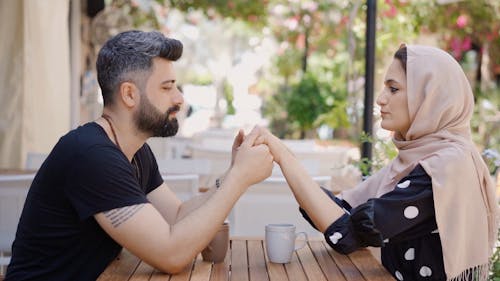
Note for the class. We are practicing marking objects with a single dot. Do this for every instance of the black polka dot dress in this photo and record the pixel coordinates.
(402, 222)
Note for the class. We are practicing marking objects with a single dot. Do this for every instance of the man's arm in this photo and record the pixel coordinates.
(171, 208)
(171, 246)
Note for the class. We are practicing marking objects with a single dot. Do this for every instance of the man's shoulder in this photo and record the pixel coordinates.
(84, 136)
(84, 140)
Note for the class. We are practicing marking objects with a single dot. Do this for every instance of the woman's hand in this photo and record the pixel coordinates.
(252, 162)
(276, 146)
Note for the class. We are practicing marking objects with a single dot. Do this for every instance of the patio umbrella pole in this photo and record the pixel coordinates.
(371, 11)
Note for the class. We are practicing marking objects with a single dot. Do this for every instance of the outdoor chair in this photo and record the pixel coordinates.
(13, 191)
(184, 186)
(34, 160)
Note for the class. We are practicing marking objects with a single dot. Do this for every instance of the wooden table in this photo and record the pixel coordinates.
(246, 261)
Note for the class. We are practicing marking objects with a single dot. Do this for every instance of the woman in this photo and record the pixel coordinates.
(432, 209)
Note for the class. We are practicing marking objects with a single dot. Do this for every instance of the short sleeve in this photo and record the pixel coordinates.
(150, 177)
(103, 179)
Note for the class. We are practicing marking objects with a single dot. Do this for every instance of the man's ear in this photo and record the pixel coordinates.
(129, 94)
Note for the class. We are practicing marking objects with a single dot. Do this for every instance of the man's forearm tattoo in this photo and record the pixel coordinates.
(120, 215)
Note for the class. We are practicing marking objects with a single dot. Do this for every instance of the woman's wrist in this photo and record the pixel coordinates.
(283, 154)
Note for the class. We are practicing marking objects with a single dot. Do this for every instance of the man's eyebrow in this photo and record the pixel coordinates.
(168, 81)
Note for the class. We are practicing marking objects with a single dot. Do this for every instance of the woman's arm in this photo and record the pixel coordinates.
(320, 208)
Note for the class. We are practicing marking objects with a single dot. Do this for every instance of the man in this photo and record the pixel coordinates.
(100, 190)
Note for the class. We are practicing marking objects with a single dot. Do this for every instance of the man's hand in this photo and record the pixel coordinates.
(252, 163)
(238, 140)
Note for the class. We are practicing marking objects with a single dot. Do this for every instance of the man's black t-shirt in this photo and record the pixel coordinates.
(85, 174)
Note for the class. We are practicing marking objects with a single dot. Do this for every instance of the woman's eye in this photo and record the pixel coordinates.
(393, 90)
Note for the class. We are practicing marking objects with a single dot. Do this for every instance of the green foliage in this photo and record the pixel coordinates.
(142, 17)
(306, 102)
(229, 97)
(495, 263)
(485, 123)
(254, 12)
(335, 117)
(199, 78)
(275, 110)
(383, 152)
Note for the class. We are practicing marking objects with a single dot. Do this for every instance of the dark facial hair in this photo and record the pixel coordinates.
(151, 121)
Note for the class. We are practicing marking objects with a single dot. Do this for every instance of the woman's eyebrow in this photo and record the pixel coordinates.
(390, 81)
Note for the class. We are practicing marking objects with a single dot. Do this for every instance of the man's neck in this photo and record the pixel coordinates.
(128, 138)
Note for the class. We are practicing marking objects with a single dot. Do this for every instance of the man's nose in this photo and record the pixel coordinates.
(178, 98)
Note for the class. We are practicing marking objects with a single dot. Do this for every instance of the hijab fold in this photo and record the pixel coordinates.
(440, 103)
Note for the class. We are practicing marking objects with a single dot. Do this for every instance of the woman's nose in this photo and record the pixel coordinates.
(381, 99)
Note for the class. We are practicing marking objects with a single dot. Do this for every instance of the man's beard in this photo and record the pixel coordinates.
(151, 121)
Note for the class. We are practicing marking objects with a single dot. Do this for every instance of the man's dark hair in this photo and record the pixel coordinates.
(402, 55)
(128, 56)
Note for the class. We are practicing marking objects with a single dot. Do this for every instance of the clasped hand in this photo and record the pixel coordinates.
(253, 154)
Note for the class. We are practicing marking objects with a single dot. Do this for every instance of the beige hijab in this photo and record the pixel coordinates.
(441, 103)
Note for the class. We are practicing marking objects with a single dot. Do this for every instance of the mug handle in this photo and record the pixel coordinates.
(304, 242)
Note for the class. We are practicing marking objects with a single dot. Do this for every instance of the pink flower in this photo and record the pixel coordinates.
(456, 45)
(462, 21)
(391, 12)
(466, 44)
(252, 18)
(301, 41)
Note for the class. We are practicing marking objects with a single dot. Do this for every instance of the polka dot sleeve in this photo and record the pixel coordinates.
(404, 213)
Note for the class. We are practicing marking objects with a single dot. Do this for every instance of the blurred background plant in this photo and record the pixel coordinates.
(492, 159)
(319, 62)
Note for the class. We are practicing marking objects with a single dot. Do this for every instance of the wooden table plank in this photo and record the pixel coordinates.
(310, 265)
(294, 269)
(276, 271)
(121, 268)
(143, 272)
(220, 271)
(202, 270)
(239, 264)
(371, 269)
(256, 261)
(350, 271)
(185, 275)
(247, 261)
(160, 276)
(325, 261)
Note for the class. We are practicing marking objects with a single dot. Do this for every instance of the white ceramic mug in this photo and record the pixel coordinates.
(280, 242)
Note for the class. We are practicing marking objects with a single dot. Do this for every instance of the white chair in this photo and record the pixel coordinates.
(13, 191)
(184, 166)
(169, 148)
(34, 160)
(200, 167)
(270, 201)
(184, 186)
(219, 157)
